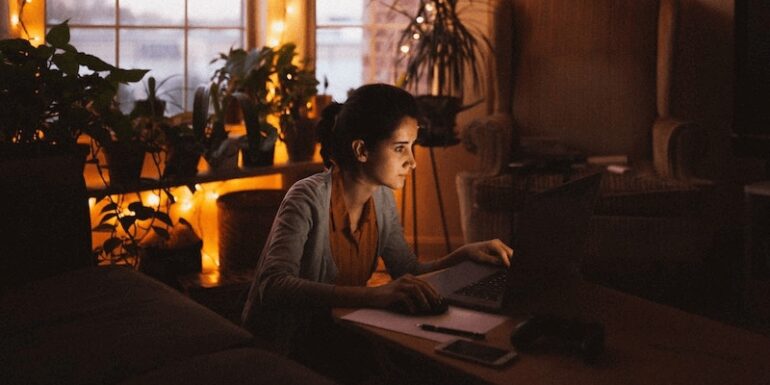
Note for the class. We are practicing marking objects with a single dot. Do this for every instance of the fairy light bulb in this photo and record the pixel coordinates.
(404, 48)
(416, 36)
(14, 20)
(153, 199)
(419, 19)
(186, 205)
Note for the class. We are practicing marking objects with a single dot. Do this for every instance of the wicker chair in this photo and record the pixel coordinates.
(596, 74)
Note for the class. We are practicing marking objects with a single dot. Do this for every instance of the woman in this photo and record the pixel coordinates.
(332, 226)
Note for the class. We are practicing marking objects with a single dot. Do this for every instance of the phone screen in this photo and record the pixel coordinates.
(474, 350)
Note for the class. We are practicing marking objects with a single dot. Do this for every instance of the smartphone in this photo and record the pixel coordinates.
(476, 352)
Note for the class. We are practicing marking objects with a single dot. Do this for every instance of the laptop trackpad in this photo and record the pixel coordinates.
(448, 280)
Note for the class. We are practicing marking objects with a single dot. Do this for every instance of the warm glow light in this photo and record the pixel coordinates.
(278, 26)
(212, 195)
(404, 48)
(291, 9)
(288, 76)
(14, 20)
(416, 36)
(419, 19)
(186, 205)
(153, 199)
(429, 7)
(91, 203)
(198, 187)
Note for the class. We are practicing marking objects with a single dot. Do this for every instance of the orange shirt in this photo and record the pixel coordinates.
(353, 252)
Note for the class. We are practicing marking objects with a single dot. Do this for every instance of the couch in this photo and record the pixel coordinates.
(113, 325)
(594, 78)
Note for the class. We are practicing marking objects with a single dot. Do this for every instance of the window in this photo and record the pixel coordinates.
(355, 43)
(175, 39)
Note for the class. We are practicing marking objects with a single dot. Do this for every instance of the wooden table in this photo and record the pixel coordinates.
(646, 343)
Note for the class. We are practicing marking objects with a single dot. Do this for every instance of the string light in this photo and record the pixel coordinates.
(416, 36)
(14, 20)
(153, 199)
(419, 19)
(278, 26)
(404, 48)
(186, 206)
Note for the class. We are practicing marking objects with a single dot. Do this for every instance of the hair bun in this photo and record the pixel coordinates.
(325, 130)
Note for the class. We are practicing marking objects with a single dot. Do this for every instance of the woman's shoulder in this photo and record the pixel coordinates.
(313, 186)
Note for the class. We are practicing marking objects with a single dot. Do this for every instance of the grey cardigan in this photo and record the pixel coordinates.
(296, 271)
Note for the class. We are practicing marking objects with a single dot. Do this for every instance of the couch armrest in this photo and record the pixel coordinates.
(676, 147)
(491, 138)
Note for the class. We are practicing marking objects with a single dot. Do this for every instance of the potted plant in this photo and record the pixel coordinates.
(239, 85)
(49, 96)
(439, 48)
(295, 88)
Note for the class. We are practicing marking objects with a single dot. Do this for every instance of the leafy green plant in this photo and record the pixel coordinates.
(46, 96)
(438, 46)
(126, 229)
(296, 86)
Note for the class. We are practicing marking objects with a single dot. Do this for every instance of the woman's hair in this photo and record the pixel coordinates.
(371, 113)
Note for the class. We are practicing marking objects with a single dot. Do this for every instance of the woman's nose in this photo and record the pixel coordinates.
(411, 162)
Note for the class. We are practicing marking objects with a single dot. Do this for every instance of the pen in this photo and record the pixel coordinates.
(456, 332)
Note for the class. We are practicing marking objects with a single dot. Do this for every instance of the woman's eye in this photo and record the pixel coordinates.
(400, 149)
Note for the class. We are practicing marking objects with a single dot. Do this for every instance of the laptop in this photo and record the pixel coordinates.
(551, 230)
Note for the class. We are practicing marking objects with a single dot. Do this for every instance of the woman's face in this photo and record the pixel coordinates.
(393, 158)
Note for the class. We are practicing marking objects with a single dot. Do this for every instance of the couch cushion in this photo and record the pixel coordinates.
(235, 366)
(103, 325)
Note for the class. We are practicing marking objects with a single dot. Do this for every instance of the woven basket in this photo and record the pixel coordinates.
(245, 219)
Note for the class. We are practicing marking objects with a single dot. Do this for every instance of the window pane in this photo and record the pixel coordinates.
(339, 54)
(224, 13)
(81, 11)
(337, 12)
(161, 51)
(380, 59)
(379, 13)
(152, 12)
(205, 45)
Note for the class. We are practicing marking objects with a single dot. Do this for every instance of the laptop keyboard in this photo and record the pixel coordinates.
(490, 287)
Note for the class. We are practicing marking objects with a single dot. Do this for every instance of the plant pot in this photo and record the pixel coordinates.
(245, 219)
(167, 264)
(46, 223)
(300, 140)
(181, 162)
(440, 113)
(124, 162)
(257, 157)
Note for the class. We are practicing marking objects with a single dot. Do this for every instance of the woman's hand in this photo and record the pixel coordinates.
(408, 292)
(493, 252)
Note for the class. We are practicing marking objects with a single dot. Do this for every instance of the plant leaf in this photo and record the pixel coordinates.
(107, 217)
(163, 217)
(59, 35)
(111, 243)
(104, 228)
(127, 222)
(67, 62)
(112, 206)
(93, 63)
(126, 76)
(163, 233)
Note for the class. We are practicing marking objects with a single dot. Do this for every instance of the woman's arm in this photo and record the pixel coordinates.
(493, 252)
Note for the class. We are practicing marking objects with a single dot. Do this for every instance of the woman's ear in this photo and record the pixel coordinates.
(359, 150)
